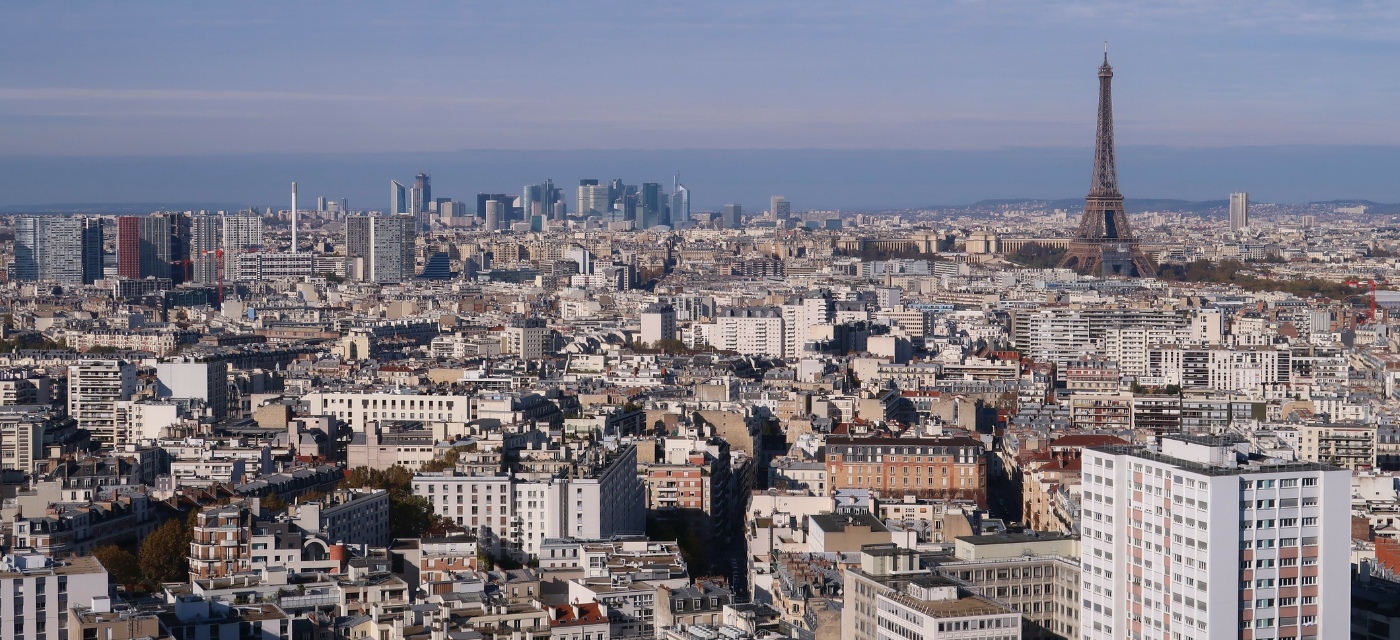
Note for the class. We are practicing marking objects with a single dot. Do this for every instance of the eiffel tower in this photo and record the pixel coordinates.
(1105, 245)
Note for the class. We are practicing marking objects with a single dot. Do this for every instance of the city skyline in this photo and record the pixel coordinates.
(1290, 106)
(868, 180)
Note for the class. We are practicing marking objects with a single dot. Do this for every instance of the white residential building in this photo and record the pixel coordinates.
(38, 591)
(756, 331)
(597, 498)
(1198, 541)
(94, 389)
(359, 409)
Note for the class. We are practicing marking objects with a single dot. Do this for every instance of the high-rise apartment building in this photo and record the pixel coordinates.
(1203, 540)
(94, 389)
(779, 208)
(398, 198)
(380, 248)
(241, 233)
(129, 247)
(152, 246)
(392, 239)
(57, 249)
(92, 249)
(1239, 211)
(156, 245)
(204, 248)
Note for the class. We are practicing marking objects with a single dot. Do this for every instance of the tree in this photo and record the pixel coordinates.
(165, 553)
(273, 502)
(122, 567)
(1037, 256)
(447, 461)
(409, 515)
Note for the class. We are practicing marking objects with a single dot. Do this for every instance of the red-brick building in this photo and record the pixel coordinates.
(948, 468)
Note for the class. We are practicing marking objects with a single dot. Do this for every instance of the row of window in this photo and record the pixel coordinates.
(1268, 543)
(1270, 583)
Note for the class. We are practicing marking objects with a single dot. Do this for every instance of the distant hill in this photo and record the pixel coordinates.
(1377, 208)
(1133, 205)
(120, 208)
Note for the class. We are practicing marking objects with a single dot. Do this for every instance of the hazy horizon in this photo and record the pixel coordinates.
(810, 178)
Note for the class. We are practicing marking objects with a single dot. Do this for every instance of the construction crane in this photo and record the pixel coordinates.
(1372, 314)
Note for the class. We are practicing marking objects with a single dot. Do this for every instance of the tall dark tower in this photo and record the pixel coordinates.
(1105, 245)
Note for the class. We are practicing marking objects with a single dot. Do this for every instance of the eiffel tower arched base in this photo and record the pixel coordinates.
(1107, 259)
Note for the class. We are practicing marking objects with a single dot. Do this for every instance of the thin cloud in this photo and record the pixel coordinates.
(222, 95)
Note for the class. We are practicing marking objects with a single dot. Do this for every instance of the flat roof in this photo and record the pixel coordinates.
(1262, 466)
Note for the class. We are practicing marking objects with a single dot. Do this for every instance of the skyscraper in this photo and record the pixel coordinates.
(241, 233)
(495, 214)
(381, 247)
(419, 197)
(650, 205)
(147, 245)
(129, 247)
(1239, 211)
(592, 198)
(51, 248)
(732, 217)
(204, 248)
(1105, 244)
(1201, 540)
(680, 203)
(398, 198)
(504, 199)
(29, 248)
(92, 250)
(779, 208)
(539, 199)
(180, 264)
(532, 201)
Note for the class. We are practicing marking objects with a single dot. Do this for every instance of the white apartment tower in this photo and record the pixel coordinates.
(800, 315)
(1239, 211)
(94, 389)
(1198, 541)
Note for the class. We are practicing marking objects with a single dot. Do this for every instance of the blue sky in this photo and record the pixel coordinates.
(179, 78)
